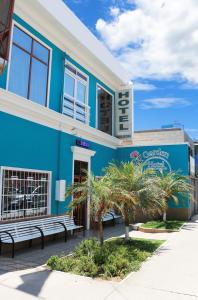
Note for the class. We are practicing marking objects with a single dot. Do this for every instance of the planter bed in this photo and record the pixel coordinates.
(161, 226)
(114, 260)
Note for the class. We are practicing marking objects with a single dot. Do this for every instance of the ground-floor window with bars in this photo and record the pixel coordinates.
(24, 193)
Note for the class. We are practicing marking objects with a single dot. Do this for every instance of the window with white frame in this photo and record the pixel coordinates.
(29, 67)
(75, 94)
(24, 193)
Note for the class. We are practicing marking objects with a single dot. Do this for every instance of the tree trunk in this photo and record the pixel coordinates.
(101, 238)
(164, 216)
(126, 228)
(126, 232)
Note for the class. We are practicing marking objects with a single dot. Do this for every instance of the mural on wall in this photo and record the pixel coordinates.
(153, 159)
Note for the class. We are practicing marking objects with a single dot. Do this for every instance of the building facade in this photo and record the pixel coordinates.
(65, 105)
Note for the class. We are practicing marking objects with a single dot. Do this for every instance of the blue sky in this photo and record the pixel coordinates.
(157, 42)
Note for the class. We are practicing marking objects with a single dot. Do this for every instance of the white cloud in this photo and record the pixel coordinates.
(141, 86)
(158, 39)
(162, 103)
(114, 11)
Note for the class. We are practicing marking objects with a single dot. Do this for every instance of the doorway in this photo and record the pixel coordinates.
(80, 173)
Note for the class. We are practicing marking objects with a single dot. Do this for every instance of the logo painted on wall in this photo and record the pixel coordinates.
(153, 159)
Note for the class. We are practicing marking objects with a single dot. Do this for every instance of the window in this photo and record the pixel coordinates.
(75, 94)
(29, 67)
(23, 193)
(105, 110)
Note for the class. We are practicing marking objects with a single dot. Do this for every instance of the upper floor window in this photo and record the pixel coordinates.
(105, 110)
(75, 94)
(29, 67)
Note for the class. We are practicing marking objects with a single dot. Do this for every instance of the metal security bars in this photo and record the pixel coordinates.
(24, 193)
(75, 94)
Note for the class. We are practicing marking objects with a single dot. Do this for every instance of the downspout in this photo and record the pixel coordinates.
(60, 134)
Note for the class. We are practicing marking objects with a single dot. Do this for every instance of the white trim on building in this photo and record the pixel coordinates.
(60, 25)
(82, 154)
(18, 106)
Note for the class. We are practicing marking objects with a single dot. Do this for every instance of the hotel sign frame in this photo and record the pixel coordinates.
(124, 113)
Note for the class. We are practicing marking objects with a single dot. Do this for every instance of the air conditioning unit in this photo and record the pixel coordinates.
(60, 190)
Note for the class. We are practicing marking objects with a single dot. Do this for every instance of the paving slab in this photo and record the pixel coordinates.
(171, 274)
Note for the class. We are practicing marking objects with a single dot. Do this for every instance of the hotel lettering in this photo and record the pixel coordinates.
(123, 108)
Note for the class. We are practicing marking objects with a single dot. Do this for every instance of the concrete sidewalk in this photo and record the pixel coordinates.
(170, 274)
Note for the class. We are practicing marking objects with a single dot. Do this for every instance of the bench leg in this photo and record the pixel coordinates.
(0, 247)
(13, 248)
(42, 242)
(30, 243)
(65, 236)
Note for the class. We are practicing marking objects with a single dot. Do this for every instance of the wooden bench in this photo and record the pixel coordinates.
(110, 216)
(12, 233)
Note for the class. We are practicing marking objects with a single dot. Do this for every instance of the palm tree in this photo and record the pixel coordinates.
(99, 191)
(134, 187)
(172, 185)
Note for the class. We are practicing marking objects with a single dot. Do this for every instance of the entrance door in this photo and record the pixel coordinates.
(80, 212)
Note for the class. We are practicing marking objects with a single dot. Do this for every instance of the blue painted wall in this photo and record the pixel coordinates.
(177, 157)
(25, 144)
(57, 76)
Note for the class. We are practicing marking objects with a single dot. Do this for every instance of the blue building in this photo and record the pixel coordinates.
(66, 105)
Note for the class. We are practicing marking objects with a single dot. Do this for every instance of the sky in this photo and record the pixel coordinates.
(157, 42)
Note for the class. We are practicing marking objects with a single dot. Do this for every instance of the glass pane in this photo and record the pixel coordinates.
(104, 111)
(69, 85)
(22, 39)
(38, 85)
(81, 92)
(19, 72)
(41, 52)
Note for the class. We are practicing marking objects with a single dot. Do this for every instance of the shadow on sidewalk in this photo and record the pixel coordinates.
(33, 282)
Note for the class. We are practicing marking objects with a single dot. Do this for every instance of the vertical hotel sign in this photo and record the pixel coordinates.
(124, 113)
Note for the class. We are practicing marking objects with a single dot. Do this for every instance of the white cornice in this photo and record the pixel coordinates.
(82, 151)
(18, 106)
(54, 20)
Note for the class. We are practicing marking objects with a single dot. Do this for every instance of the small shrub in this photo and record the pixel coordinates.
(116, 266)
(53, 262)
(115, 258)
(86, 266)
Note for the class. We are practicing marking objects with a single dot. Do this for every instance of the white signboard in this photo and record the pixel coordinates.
(192, 166)
(124, 113)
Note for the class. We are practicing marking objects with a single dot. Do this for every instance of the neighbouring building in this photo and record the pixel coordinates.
(196, 158)
(66, 105)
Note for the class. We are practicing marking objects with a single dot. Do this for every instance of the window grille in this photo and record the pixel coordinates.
(24, 193)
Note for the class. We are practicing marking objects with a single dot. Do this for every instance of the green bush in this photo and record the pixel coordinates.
(115, 258)
(86, 266)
